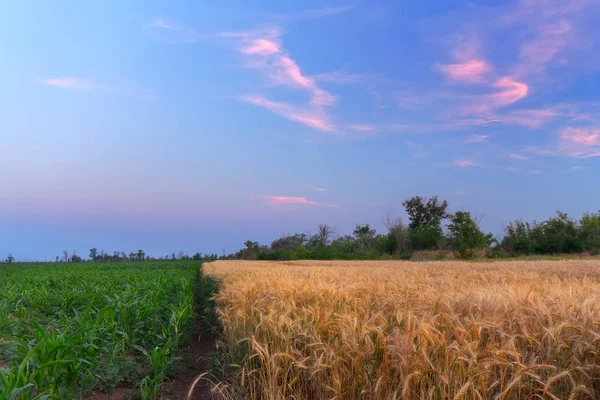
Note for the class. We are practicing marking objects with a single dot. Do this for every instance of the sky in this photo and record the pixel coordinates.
(195, 126)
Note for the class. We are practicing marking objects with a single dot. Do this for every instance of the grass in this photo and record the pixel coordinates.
(406, 330)
(67, 330)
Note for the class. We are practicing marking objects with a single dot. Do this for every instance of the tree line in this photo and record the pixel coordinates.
(431, 227)
(121, 256)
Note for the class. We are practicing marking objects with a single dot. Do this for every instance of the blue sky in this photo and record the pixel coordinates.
(195, 126)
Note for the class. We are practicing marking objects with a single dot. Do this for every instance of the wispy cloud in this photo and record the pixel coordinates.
(263, 50)
(68, 83)
(280, 203)
(516, 156)
(477, 139)
(340, 78)
(581, 142)
(361, 128)
(465, 163)
(472, 71)
(581, 136)
(172, 32)
(71, 83)
(310, 118)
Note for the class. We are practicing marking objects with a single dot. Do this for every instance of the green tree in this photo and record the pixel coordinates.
(465, 235)
(518, 238)
(559, 235)
(140, 255)
(93, 254)
(589, 231)
(425, 216)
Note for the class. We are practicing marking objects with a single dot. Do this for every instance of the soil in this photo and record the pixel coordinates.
(196, 361)
(199, 354)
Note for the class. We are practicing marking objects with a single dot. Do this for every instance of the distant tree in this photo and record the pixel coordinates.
(559, 235)
(398, 234)
(93, 254)
(57, 258)
(182, 255)
(589, 231)
(123, 256)
(75, 258)
(466, 236)
(364, 232)
(325, 233)
(518, 238)
(102, 255)
(132, 256)
(425, 216)
(140, 255)
(425, 213)
(10, 259)
(173, 256)
(286, 243)
(197, 256)
(65, 257)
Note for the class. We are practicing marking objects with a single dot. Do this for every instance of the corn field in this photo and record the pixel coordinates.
(67, 330)
(406, 330)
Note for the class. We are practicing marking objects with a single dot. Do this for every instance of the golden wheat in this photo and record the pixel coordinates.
(405, 330)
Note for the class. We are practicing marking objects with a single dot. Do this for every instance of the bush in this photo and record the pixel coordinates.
(425, 238)
(589, 231)
(465, 235)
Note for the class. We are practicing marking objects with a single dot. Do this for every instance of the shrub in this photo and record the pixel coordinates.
(465, 235)
(589, 231)
(425, 238)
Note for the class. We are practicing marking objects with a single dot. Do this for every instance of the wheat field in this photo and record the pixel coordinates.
(406, 330)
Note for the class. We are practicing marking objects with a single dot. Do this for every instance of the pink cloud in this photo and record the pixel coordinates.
(510, 91)
(516, 156)
(287, 72)
(552, 38)
(528, 118)
(361, 128)
(464, 163)
(261, 47)
(68, 83)
(309, 118)
(512, 169)
(280, 202)
(340, 77)
(472, 71)
(581, 136)
(263, 51)
(477, 139)
(573, 143)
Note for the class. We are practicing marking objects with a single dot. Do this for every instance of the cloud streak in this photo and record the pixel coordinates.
(472, 71)
(280, 203)
(311, 118)
(68, 83)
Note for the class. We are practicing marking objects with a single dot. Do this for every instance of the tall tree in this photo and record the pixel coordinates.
(93, 254)
(325, 234)
(425, 213)
(426, 216)
(465, 235)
